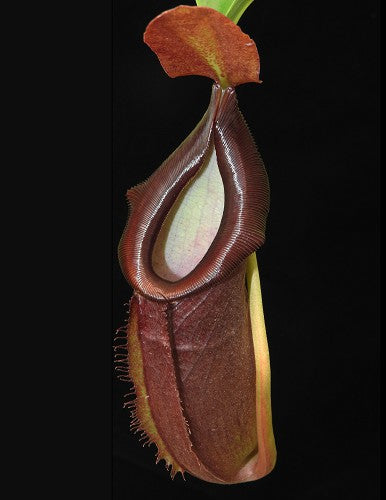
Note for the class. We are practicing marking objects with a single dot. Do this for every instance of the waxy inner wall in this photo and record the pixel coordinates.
(192, 223)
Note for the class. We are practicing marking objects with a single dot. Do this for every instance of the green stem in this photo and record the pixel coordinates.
(233, 9)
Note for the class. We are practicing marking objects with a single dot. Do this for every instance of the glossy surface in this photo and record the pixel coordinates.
(246, 206)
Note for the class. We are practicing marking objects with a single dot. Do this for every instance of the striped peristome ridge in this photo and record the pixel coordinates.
(246, 188)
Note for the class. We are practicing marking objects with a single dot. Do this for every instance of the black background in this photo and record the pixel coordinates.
(315, 121)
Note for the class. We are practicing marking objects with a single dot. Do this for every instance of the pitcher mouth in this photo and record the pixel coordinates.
(246, 203)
